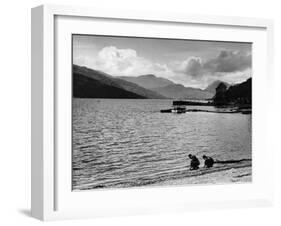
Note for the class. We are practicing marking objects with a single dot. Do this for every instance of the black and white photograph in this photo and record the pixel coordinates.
(160, 112)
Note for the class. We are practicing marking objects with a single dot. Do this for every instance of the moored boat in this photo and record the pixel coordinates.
(179, 109)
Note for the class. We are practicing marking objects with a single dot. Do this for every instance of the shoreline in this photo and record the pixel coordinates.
(230, 176)
(225, 111)
(233, 175)
(220, 174)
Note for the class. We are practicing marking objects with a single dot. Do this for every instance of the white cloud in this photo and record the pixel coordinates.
(225, 62)
(229, 61)
(123, 62)
(194, 71)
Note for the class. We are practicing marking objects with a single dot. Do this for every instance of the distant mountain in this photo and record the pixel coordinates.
(212, 87)
(239, 94)
(168, 88)
(132, 87)
(148, 81)
(89, 83)
(177, 91)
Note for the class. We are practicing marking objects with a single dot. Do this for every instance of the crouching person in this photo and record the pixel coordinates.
(194, 164)
(209, 161)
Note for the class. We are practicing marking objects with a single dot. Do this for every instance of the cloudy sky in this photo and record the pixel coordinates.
(189, 62)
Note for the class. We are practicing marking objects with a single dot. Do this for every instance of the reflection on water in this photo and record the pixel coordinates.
(121, 143)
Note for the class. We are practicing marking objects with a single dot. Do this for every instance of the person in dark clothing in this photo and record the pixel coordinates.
(194, 164)
(209, 161)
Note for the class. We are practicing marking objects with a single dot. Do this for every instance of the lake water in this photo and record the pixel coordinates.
(124, 143)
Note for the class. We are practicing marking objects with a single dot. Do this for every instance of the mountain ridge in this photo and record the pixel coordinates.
(148, 81)
(115, 86)
(239, 94)
(168, 88)
(146, 86)
(212, 86)
(178, 91)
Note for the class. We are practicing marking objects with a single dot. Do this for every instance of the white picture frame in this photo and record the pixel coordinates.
(51, 196)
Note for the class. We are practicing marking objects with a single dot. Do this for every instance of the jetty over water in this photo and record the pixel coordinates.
(180, 105)
(192, 103)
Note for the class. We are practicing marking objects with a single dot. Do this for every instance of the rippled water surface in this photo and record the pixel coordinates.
(123, 143)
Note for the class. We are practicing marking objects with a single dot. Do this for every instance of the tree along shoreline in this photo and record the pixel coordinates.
(237, 96)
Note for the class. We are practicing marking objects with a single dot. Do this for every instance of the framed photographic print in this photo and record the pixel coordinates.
(137, 112)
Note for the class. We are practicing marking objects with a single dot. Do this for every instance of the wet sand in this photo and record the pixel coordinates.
(232, 175)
